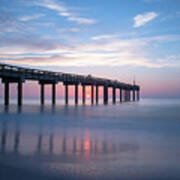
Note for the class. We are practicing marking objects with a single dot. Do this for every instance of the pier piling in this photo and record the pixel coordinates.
(134, 95)
(53, 93)
(66, 94)
(92, 94)
(83, 94)
(120, 95)
(105, 95)
(42, 93)
(6, 93)
(76, 94)
(20, 93)
(97, 94)
(114, 95)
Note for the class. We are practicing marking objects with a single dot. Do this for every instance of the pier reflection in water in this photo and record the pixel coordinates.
(130, 141)
(63, 138)
(44, 137)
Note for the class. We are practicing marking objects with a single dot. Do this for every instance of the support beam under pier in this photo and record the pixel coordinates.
(125, 95)
(134, 95)
(92, 94)
(6, 93)
(42, 93)
(53, 93)
(114, 95)
(20, 93)
(120, 95)
(129, 95)
(76, 94)
(97, 94)
(105, 95)
(83, 94)
(66, 94)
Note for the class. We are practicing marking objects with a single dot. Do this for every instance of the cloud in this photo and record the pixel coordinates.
(69, 29)
(51, 4)
(102, 37)
(142, 19)
(66, 14)
(115, 52)
(34, 45)
(64, 11)
(96, 59)
(29, 18)
(80, 20)
(9, 23)
(112, 36)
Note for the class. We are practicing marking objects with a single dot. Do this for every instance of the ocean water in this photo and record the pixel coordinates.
(134, 140)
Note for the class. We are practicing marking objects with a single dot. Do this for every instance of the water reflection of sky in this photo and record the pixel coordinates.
(48, 137)
(132, 140)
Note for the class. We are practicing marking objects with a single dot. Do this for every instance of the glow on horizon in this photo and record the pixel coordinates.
(32, 89)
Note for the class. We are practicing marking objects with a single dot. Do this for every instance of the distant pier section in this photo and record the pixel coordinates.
(14, 74)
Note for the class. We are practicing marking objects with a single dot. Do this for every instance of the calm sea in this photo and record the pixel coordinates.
(135, 140)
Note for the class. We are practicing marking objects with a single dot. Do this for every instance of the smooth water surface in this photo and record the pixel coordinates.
(136, 140)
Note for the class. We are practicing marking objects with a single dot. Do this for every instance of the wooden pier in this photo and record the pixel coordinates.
(14, 74)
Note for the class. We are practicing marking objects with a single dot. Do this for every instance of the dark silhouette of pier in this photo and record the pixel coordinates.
(14, 74)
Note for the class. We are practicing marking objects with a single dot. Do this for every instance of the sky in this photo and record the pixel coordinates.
(118, 39)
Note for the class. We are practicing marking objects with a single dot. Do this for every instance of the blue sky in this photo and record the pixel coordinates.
(118, 39)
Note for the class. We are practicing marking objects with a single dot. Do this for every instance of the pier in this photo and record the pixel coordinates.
(15, 74)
